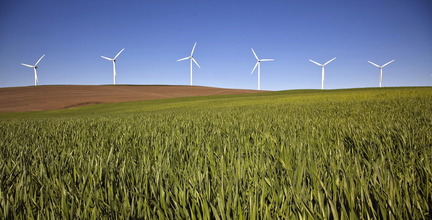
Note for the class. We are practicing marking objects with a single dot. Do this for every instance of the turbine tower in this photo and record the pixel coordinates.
(36, 81)
(114, 66)
(322, 70)
(192, 59)
(258, 64)
(380, 67)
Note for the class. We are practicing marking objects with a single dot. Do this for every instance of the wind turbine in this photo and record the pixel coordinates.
(34, 68)
(258, 64)
(380, 67)
(114, 66)
(191, 60)
(322, 70)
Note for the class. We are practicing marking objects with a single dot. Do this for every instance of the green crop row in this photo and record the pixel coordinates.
(364, 154)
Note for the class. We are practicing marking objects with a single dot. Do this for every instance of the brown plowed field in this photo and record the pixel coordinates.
(40, 98)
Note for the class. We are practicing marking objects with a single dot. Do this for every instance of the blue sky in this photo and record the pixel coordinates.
(74, 34)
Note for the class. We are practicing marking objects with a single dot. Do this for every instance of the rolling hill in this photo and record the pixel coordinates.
(41, 98)
(303, 154)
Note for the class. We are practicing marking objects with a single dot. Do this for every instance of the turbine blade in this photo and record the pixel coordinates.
(193, 49)
(255, 67)
(27, 65)
(319, 64)
(254, 54)
(375, 64)
(39, 60)
(196, 62)
(329, 61)
(266, 59)
(184, 58)
(118, 54)
(107, 58)
(388, 63)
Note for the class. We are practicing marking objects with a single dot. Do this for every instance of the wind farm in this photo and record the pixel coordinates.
(192, 61)
(119, 122)
(224, 123)
(159, 137)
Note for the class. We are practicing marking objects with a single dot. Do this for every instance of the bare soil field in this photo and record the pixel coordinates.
(52, 97)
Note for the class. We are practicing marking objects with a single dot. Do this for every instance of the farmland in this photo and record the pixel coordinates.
(341, 154)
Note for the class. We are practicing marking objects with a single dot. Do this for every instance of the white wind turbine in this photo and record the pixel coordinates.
(322, 70)
(380, 67)
(34, 68)
(191, 60)
(258, 64)
(114, 66)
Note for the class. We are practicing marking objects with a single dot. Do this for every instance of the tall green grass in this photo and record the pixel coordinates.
(344, 154)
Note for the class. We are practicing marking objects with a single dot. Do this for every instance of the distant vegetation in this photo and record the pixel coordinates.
(351, 154)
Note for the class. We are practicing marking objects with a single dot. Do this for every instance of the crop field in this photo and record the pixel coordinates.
(336, 154)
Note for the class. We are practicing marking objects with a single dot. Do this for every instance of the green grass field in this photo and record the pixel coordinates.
(310, 154)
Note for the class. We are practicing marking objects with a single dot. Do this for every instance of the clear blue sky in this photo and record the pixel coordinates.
(74, 34)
